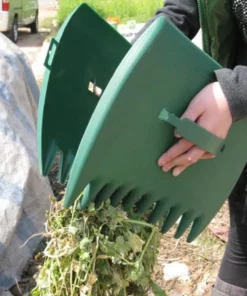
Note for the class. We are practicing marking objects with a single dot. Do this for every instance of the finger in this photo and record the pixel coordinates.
(179, 148)
(186, 159)
(194, 111)
(178, 170)
(176, 134)
(208, 155)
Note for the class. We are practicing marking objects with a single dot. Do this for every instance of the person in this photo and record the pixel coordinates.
(216, 108)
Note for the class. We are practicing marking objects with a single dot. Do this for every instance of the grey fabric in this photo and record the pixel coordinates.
(24, 195)
(234, 86)
(216, 293)
(224, 289)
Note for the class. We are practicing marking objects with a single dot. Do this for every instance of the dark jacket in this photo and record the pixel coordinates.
(184, 14)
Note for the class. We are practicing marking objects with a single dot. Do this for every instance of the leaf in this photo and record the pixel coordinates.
(157, 290)
(85, 243)
(84, 290)
(136, 272)
(108, 248)
(91, 208)
(136, 243)
(84, 255)
(92, 279)
(122, 246)
(144, 280)
(72, 229)
(102, 269)
(121, 216)
(119, 283)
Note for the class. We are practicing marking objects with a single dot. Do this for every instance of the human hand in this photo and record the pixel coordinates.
(208, 109)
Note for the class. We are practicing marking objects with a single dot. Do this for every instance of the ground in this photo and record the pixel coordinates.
(202, 257)
(34, 45)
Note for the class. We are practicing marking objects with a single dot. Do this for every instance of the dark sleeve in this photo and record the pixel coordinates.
(234, 86)
(182, 13)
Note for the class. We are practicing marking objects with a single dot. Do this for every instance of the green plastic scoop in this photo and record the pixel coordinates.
(133, 123)
(85, 54)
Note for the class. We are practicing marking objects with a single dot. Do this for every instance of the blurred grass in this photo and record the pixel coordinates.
(139, 10)
(48, 22)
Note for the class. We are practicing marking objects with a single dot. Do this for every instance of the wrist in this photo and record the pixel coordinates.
(221, 100)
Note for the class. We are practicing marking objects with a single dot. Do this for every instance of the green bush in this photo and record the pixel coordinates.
(139, 10)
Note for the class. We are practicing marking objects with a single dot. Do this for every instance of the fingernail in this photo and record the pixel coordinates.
(176, 172)
(166, 169)
(161, 162)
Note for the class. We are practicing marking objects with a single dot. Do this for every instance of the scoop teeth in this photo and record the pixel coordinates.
(131, 199)
(72, 193)
(119, 195)
(172, 217)
(198, 226)
(185, 223)
(90, 194)
(65, 163)
(145, 203)
(160, 210)
(105, 193)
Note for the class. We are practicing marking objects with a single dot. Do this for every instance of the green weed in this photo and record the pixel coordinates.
(98, 252)
(125, 10)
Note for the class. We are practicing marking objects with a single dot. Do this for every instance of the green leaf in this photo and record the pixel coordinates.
(85, 243)
(120, 283)
(103, 269)
(122, 246)
(136, 272)
(157, 290)
(91, 208)
(72, 229)
(84, 256)
(136, 242)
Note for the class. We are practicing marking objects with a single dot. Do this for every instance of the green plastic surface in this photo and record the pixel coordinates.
(87, 49)
(125, 136)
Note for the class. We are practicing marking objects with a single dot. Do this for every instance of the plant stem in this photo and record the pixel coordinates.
(148, 243)
(71, 275)
(94, 263)
(125, 293)
(76, 279)
(139, 223)
(74, 208)
(60, 272)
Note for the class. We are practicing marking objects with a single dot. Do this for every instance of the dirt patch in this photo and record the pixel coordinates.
(58, 189)
(27, 282)
(203, 257)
